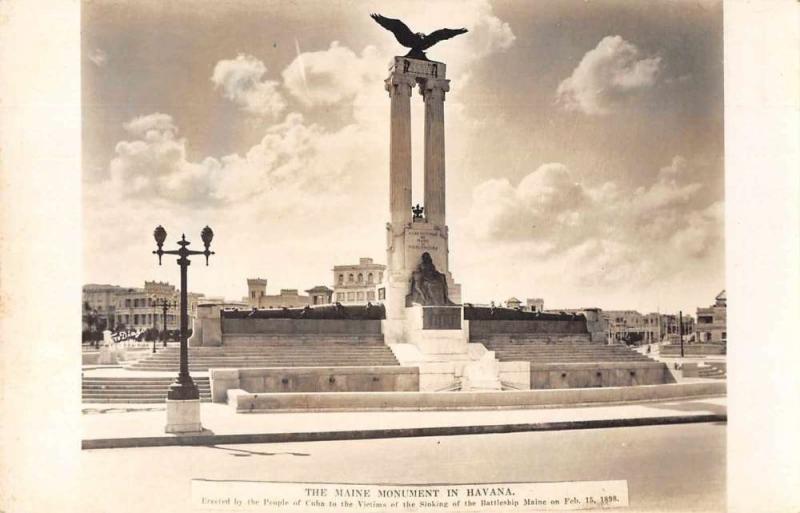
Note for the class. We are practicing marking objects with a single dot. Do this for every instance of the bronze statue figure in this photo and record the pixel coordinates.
(428, 286)
(418, 42)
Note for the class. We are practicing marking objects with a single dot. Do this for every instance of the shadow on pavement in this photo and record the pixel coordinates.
(244, 453)
(716, 409)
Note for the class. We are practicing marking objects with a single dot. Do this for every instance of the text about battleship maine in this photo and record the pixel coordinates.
(516, 497)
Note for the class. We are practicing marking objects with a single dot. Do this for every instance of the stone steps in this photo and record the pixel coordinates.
(135, 389)
(272, 355)
(564, 353)
(246, 341)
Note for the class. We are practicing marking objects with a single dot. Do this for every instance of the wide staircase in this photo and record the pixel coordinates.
(294, 351)
(135, 389)
(527, 349)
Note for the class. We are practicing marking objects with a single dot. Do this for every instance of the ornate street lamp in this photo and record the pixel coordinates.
(184, 387)
(154, 333)
(165, 304)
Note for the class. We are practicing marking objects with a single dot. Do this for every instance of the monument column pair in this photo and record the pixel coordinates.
(433, 91)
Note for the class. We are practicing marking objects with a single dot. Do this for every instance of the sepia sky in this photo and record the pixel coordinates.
(584, 144)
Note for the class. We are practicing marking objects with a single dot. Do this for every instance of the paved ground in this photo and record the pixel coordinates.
(133, 421)
(668, 468)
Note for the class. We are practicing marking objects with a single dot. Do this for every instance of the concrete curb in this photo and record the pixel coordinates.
(211, 439)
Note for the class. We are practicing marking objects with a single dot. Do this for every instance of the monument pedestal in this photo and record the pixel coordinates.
(183, 417)
(437, 342)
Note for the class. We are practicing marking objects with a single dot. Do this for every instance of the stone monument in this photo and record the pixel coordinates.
(409, 233)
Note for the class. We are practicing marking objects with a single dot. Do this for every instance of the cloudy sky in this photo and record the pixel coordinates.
(584, 144)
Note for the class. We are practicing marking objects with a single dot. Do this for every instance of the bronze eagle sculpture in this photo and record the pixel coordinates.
(418, 42)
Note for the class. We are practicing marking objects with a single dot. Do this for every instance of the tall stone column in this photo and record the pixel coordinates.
(433, 90)
(399, 87)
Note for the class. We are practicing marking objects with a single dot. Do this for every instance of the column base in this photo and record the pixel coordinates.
(183, 416)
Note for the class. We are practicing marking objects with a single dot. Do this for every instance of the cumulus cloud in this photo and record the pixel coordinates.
(605, 232)
(157, 121)
(241, 80)
(153, 164)
(334, 75)
(488, 33)
(99, 57)
(607, 76)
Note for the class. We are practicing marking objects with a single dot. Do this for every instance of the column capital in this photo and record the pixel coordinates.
(399, 83)
(434, 88)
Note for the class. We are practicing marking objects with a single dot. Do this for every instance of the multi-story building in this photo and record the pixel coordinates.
(257, 296)
(99, 306)
(632, 326)
(359, 283)
(114, 307)
(712, 321)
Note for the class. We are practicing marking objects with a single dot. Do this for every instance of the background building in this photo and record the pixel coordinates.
(630, 326)
(534, 304)
(712, 321)
(257, 296)
(320, 295)
(359, 283)
(114, 307)
(99, 306)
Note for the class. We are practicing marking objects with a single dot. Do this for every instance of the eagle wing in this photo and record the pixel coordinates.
(440, 35)
(400, 30)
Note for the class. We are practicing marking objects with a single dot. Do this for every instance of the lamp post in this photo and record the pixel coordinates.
(155, 320)
(165, 304)
(183, 388)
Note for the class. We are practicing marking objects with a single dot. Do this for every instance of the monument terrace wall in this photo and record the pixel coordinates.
(251, 326)
(314, 379)
(490, 327)
(327, 320)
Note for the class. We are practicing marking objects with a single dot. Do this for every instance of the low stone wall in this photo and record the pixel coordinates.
(693, 350)
(509, 399)
(598, 375)
(300, 327)
(314, 379)
(480, 328)
(90, 358)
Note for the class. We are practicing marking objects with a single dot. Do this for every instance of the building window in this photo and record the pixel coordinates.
(341, 279)
(360, 277)
(252, 294)
(381, 293)
(351, 296)
(380, 277)
(360, 295)
(350, 278)
(340, 296)
(136, 319)
(370, 278)
(370, 295)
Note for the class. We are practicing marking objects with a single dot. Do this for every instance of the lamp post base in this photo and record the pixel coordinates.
(183, 389)
(183, 416)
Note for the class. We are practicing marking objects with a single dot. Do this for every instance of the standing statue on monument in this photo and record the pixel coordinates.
(428, 286)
